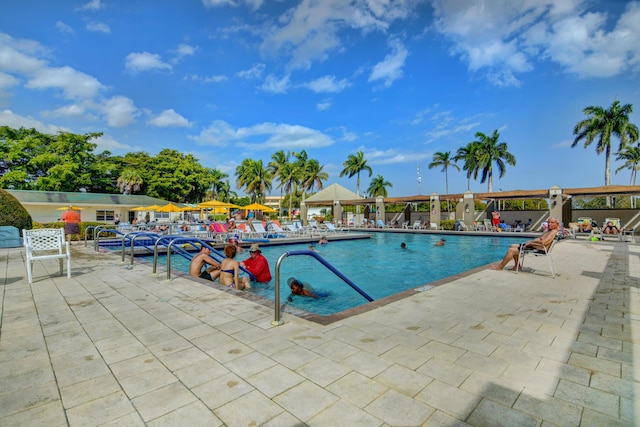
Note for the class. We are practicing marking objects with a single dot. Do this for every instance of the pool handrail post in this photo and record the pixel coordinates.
(277, 320)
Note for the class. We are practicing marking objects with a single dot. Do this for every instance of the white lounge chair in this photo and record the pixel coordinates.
(46, 243)
(381, 224)
(417, 225)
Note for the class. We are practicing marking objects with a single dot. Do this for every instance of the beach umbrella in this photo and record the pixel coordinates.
(169, 208)
(217, 204)
(258, 207)
(139, 208)
(70, 208)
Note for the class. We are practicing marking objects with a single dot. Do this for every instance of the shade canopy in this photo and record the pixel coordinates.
(258, 207)
(70, 208)
(217, 204)
(139, 208)
(169, 208)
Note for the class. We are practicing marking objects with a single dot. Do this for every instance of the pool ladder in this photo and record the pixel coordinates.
(276, 306)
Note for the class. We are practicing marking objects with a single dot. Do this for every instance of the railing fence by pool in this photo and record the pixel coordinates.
(277, 318)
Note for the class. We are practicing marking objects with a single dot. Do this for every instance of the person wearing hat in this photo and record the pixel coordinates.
(257, 264)
(300, 288)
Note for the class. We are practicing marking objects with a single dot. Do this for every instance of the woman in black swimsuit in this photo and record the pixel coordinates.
(229, 270)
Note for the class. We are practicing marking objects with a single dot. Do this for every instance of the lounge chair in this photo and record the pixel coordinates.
(405, 225)
(259, 230)
(333, 229)
(417, 225)
(585, 224)
(381, 224)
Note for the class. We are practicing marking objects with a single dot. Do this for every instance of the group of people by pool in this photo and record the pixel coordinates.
(227, 270)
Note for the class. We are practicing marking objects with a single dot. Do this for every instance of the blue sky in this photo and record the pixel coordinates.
(398, 80)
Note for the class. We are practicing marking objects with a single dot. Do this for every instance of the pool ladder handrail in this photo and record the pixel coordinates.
(277, 312)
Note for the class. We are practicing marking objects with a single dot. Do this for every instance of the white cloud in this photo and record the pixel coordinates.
(310, 30)
(503, 39)
(272, 85)
(324, 105)
(6, 81)
(9, 118)
(216, 79)
(93, 5)
(64, 28)
(72, 110)
(253, 4)
(390, 69)
(145, 61)
(254, 72)
(183, 51)
(99, 27)
(73, 83)
(263, 136)
(119, 111)
(109, 143)
(169, 118)
(327, 84)
(393, 156)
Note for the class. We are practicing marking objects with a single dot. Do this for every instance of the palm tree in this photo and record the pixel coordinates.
(631, 156)
(278, 161)
(355, 164)
(216, 176)
(487, 151)
(378, 187)
(445, 160)
(225, 193)
(313, 176)
(603, 124)
(289, 179)
(252, 175)
(467, 154)
(129, 181)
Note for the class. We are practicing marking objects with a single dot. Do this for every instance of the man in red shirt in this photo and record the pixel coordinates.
(257, 264)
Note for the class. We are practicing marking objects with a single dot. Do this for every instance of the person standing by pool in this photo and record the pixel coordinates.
(71, 220)
(229, 271)
(300, 288)
(257, 264)
(544, 241)
(201, 260)
(495, 220)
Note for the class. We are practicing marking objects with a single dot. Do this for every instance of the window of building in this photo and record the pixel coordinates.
(104, 215)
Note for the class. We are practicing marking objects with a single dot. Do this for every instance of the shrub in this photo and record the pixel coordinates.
(448, 224)
(13, 213)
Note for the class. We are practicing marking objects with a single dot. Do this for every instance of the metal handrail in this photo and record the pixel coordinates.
(277, 315)
(97, 230)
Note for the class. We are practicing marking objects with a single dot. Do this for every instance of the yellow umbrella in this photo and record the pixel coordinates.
(258, 207)
(151, 208)
(169, 208)
(70, 208)
(217, 204)
(139, 208)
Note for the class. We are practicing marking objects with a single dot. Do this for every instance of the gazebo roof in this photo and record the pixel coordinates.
(330, 194)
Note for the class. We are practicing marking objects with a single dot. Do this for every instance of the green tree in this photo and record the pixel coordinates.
(255, 178)
(129, 181)
(631, 157)
(603, 124)
(354, 165)
(289, 179)
(177, 177)
(13, 213)
(313, 175)
(275, 167)
(445, 160)
(467, 155)
(378, 187)
(489, 151)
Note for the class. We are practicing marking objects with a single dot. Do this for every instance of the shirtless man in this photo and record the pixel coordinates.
(544, 241)
(199, 261)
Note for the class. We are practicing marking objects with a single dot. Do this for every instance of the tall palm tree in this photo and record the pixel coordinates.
(289, 180)
(378, 187)
(467, 154)
(313, 176)
(129, 181)
(445, 160)
(278, 161)
(254, 177)
(631, 157)
(603, 124)
(355, 164)
(225, 193)
(489, 151)
(216, 176)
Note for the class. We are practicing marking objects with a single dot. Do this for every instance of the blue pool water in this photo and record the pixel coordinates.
(377, 265)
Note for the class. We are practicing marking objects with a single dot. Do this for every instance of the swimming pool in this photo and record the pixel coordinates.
(379, 266)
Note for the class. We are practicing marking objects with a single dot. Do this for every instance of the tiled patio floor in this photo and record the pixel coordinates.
(118, 346)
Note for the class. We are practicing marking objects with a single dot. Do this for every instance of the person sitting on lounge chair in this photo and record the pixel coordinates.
(610, 228)
(539, 243)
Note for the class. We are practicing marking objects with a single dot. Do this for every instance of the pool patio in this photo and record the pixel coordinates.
(119, 346)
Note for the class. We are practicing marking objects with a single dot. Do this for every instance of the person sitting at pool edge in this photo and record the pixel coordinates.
(302, 289)
(199, 261)
(257, 264)
(544, 241)
(610, 228)
(229, 271)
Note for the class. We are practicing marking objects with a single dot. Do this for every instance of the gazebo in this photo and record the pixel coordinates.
(333, 196)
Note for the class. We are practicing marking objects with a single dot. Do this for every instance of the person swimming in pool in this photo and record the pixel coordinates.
(403, 245)
(300, 288)
(440, 242)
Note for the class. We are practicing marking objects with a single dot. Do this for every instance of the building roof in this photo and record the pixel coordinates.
(69, 198)
(332, 193)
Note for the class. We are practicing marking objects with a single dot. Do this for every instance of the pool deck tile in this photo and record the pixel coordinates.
(119, 345)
